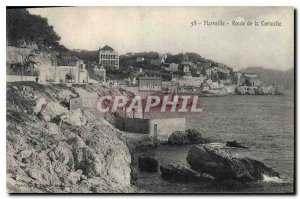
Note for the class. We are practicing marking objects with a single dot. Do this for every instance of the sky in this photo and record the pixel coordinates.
(169, 30)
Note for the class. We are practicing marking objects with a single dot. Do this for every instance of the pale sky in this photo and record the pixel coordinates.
(168, 29)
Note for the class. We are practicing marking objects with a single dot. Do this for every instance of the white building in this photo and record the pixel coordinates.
(186, 69)
(150, 83)
(173, 67)
(108, 57)
(70, 69)
(101, 72)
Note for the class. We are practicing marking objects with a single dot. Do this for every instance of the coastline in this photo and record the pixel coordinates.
(51, 108)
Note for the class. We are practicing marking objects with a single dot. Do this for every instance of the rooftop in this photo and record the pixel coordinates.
(107, 48)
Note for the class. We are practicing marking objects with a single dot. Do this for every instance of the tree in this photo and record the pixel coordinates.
(23, 27)
(27, 64)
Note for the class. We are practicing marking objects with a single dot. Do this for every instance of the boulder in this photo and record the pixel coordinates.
(73, 177)
(183, 173)
(148, 164)
(224, 166)
(25, 153)
(178, 138)
(75, 118)
(39, 104)
(195, 137)
(235, 144)
(190, 136)
(52, 110)
(133, 175)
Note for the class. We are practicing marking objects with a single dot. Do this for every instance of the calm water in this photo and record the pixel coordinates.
(265, 123)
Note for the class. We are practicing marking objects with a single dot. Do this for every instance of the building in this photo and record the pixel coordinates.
(186, 69)
(160, 128)
(163, 58)
(156, 62)
(70, 69)
(132, 79)
(237, 77)
(108, 57)
(187, 89)
(150, 83)
(212, 85)
(223, 73)
(187, 72)
(175, 78)
(166, 75)
(133, 89)
(173, 67)
(150, 73)
(100, 72)
(191, 81)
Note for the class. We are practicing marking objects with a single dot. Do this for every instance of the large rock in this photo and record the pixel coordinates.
(223, 165)
(133, 175)
(52, 110)
(266, 90)
(39, 104)
(148, 164)
(190, 136)
(178, 138)
(183, 173)
(195, 137)
(74, 117)
(73, 177)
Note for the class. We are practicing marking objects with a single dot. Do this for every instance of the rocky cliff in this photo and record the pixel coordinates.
(259, 90)
(52, 149)
(43, 60)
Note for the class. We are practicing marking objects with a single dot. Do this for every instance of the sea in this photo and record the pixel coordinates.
(263, 123)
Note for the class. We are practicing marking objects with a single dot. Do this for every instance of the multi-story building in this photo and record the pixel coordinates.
(108, 57)
(173, 67)
(150, 83)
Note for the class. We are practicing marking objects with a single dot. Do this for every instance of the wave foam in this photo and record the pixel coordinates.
(275, 179)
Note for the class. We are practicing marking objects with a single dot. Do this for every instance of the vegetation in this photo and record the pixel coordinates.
(23, 28)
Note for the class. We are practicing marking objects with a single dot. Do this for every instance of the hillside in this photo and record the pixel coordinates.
(52, 149)
(274, 77)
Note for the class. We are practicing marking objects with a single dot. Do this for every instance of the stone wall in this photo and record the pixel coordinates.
(18, 78)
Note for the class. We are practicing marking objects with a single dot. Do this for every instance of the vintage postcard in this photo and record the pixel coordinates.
(150, 100)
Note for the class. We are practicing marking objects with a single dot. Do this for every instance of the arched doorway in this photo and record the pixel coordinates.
(69, 78)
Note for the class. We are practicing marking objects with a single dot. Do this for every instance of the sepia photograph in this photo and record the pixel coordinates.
(150, 100)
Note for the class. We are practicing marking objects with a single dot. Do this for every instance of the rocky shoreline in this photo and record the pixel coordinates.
(209, 164)
(242, 90)
(53, 150)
